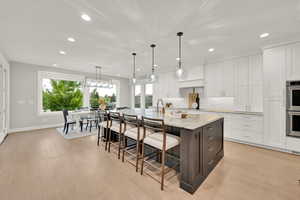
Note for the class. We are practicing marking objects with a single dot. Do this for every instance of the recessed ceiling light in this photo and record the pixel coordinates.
(264, 35)
(70, 39)
(85, 17)
(155, 65)
(62, 52)
(54, 65)
(211, 49)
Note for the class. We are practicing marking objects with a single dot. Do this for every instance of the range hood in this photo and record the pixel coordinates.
(194, 83)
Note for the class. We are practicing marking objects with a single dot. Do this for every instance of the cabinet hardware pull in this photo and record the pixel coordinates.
(211, 149)
(211, 138)
(210, 162)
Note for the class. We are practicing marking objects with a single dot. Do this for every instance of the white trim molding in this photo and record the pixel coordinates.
(25, 129)
(52, 75)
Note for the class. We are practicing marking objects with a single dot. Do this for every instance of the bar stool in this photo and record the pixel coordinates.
(132, 131)
(102, 125)
(116, 125)
(159, 140)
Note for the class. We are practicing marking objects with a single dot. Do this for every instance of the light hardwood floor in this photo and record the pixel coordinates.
(41, 165)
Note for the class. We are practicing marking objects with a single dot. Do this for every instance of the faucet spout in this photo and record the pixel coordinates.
(157, 104)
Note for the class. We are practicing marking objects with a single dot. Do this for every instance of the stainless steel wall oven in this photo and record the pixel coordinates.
(293, 109)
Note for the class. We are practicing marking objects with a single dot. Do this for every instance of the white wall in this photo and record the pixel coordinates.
(5, 64)
(23, 96)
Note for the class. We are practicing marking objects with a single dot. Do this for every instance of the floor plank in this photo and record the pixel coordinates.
(43, 165)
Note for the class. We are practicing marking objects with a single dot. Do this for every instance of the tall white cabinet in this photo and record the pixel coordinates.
(280, 64)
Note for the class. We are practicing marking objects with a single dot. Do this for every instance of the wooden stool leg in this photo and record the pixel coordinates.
(143, 156)
(123, 148)
(99, 129)
(109, 138)
(162, 170)
(119, 148)
(137, 155)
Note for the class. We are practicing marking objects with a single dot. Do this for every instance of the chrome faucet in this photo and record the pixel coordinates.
(157, 104)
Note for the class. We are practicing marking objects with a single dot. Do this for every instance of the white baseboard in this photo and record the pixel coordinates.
(262, 146)
(2, 137)
(15, 130)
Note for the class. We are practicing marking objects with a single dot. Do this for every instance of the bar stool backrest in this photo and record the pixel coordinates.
(115, 116)
(156, 125)
(131, 120)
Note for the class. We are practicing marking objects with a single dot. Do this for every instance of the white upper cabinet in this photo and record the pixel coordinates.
(274, 73)
(228, 80)
(219, 79)
(213, 80)
(293, 62)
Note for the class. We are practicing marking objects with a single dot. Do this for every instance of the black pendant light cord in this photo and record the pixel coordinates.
(134, 54)
(179, 34)
(152, 46)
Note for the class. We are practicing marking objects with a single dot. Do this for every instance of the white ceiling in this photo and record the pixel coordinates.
(34, 31)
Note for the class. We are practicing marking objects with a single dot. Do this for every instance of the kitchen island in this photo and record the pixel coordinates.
(201, 145)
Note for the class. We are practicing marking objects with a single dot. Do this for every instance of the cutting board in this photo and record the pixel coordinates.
(192, 99)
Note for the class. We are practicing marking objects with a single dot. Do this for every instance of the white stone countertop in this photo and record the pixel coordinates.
(172, 117)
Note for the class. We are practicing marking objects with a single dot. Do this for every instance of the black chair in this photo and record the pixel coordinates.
(93, 118)
(67, 121)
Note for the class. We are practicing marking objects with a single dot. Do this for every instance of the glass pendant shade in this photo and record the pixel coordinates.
(152, 77)
(179, 72)
(133, 80)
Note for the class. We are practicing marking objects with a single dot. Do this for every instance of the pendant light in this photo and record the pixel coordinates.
(179, 70)
(152, 76)
(133, 76)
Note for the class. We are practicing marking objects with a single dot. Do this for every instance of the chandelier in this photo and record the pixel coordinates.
(98, 82)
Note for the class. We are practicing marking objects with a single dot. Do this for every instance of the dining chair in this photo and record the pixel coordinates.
(68, 121)
(92, 118)
(102, 125)
(132, 131)
(115, 126)
(159, 140)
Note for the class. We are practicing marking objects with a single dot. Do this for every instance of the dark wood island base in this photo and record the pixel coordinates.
(200, 151)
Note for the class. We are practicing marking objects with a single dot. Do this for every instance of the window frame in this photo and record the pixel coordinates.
(68, 77)
(143, 95)
(56, 76)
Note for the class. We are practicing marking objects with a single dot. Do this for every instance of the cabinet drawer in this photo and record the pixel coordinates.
(247, 136)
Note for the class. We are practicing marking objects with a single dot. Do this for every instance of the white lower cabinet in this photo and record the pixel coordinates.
(247, 128)
(243, 127)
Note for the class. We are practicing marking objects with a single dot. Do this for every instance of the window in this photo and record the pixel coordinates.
(143, 95)
(137, 96)
(108, 95)
(61, 94)
(148, 95)
(58, 91)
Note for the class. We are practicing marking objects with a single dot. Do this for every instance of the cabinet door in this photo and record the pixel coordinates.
(274, 123)
(228, 78)
(255, 98)
(274, 73)
(293, 62)
(242, 97)
(242, 71)
(213, 80)
(255, 70)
